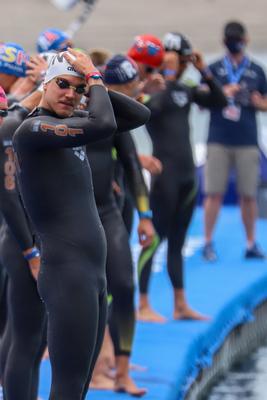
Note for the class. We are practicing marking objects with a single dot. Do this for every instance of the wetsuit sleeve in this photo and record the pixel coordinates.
(214, 97)
(129, 113)
(128, 156)
(10, 202)
(46, 131)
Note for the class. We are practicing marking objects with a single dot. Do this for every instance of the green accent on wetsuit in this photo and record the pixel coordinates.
(142, 203)
(109, 299)
(114, 154)
(145, 98)
(191, 195)
(190, 83)
(147, 254)
(126, 341)
(127, 327)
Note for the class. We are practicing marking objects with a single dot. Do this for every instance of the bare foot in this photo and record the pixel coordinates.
(110, 373)
(102, 382)
(187, 313)
(127, 385)
(146, 314)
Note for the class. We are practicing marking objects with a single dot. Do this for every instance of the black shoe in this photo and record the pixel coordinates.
(255, 252)
(209, 253)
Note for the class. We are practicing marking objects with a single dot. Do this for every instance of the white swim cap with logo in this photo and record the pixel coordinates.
(59, 66)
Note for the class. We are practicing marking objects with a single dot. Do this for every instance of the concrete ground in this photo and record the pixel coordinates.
(114, 23)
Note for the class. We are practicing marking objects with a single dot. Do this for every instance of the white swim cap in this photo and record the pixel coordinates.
(60, 66)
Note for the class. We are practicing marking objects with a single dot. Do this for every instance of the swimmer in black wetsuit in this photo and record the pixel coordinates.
(3, 280)
(56, 187)
(10, 73)
(173, 193)
(121, 75)
(24, 338)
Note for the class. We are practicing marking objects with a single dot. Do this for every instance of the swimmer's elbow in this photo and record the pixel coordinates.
(108, 125)
(146, 115)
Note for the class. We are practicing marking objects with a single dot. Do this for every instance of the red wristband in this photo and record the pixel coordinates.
(94, 75)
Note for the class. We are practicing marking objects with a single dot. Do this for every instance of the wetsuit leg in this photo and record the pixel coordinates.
(73, 292)
(5, 345)
(26, 316)
(120, 281)
(162, 202)
(3, 293)
(3, 299)
(177, 232)
(145, 264)
(37, 364)
(99, 340)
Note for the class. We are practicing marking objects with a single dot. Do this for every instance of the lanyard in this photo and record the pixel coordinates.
(234, 76)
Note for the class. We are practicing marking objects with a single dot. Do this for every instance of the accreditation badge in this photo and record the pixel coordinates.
(232, 112)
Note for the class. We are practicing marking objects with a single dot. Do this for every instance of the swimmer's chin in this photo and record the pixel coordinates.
(65, 111)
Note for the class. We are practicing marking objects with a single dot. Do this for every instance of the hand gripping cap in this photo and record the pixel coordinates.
(59, 66)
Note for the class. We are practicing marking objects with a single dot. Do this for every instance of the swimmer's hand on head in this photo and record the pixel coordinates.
(36, 69)
(84, 65)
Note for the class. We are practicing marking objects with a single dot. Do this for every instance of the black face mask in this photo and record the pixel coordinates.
(234, 46)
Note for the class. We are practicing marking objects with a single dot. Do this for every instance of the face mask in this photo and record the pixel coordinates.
(234, 46)
(168, 73)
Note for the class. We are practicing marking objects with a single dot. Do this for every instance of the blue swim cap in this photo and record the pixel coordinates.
(120, 69)
(12, 59)
(52, 39)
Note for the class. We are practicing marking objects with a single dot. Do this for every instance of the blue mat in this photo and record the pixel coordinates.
(227, 291)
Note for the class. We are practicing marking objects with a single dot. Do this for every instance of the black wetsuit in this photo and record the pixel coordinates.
(56, 186)
(124, 198)
(3, 294)
(119, 262)
(173, 192)
(24, 337)
(3, 275)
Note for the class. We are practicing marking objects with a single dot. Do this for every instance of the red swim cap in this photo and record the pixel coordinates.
(148, 50)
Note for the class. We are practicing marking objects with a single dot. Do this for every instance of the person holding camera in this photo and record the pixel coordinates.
(232, 139)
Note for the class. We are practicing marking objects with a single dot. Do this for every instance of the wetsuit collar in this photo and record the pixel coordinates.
(42, 111)
(19, 106)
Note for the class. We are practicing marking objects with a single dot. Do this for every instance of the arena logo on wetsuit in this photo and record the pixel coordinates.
(60, 130)
(79, 152)
(180, 98)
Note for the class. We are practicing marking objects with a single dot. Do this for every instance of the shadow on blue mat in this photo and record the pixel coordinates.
(228, 291)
